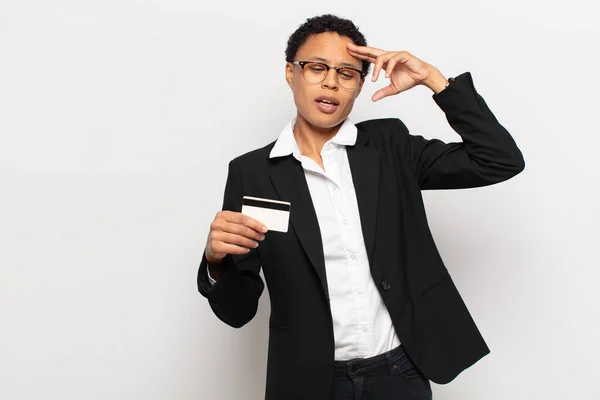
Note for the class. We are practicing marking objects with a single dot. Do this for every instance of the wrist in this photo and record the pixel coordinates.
(215, 267)
(215, 270)
(436, 81)
(212, 260)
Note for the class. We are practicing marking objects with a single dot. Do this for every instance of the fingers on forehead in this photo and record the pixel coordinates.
(372, 51)
(362, 56)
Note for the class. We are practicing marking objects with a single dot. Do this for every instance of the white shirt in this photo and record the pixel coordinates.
(362, 325)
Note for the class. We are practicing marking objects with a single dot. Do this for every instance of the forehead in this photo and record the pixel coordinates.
(327, 47)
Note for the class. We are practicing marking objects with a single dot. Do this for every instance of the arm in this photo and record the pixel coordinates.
(234, 297)
(487, 154)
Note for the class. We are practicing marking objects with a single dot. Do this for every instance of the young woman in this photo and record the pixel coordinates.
(362, 306)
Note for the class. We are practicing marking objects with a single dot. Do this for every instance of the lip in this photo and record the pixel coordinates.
(327, 108)
(328, 98)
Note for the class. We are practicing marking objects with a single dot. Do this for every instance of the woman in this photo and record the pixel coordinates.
(362, 306)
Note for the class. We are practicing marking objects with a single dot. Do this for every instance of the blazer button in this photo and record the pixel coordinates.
(385, 285)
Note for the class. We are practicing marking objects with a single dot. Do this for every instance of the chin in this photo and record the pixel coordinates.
(323, 120)
(327, 121)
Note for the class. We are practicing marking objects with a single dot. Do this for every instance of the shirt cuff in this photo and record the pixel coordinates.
(210, 278)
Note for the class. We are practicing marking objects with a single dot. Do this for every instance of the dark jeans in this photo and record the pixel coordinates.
(388, 376)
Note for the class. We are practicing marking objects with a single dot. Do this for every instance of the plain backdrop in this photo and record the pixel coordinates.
(118, 120)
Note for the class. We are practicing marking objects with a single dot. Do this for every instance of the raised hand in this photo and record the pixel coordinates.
(404, 70)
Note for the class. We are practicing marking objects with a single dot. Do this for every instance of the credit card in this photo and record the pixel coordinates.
(274, 214)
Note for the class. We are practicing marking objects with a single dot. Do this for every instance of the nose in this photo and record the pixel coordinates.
(330, 79)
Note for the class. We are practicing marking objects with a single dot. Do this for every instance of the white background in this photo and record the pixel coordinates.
(118, 119)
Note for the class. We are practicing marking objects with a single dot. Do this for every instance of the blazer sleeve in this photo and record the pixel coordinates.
(234, 297)
(487, 154)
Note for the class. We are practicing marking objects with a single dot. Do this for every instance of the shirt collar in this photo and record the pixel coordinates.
(286, 142)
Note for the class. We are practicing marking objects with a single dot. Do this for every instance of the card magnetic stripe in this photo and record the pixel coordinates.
(266, 204)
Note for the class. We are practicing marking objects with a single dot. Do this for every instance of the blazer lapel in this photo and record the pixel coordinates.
(287, 176)
(364, 166)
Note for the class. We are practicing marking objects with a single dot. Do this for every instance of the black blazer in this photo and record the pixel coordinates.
(389, 168)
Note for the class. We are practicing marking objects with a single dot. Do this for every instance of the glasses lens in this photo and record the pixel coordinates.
(316, 72)
(348, 78)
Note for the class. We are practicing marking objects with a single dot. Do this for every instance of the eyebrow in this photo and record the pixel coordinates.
(345, 64)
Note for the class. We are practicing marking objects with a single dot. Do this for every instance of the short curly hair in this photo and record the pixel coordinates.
(325, 23)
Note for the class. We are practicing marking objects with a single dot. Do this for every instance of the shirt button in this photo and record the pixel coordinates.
(353, 256)
(365, 329)
(345, 222)
(360, 293)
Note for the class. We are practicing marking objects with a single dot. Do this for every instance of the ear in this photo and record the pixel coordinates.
(289, 74)
(360, 85)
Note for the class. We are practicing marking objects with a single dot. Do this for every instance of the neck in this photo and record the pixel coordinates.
(310, 138)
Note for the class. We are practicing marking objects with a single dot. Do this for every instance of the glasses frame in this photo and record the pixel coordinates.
(337, 69)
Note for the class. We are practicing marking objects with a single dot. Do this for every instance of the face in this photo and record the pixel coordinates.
(329, 48)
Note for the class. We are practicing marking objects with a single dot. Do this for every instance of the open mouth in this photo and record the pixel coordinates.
(327, 105)
(327, 102)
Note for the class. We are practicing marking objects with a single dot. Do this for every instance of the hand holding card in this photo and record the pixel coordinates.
(232, 233)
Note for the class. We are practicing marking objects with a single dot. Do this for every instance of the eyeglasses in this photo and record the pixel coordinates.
(316, 72)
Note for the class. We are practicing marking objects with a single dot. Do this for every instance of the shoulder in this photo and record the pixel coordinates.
(253, 159)
(381, 130)
(376, 123)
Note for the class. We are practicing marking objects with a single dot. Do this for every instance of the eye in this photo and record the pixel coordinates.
(348, 73)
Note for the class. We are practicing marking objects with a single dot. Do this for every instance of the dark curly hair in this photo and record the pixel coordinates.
(325, 23)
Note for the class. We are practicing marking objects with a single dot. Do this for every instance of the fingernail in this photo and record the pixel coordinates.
(264, 229)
